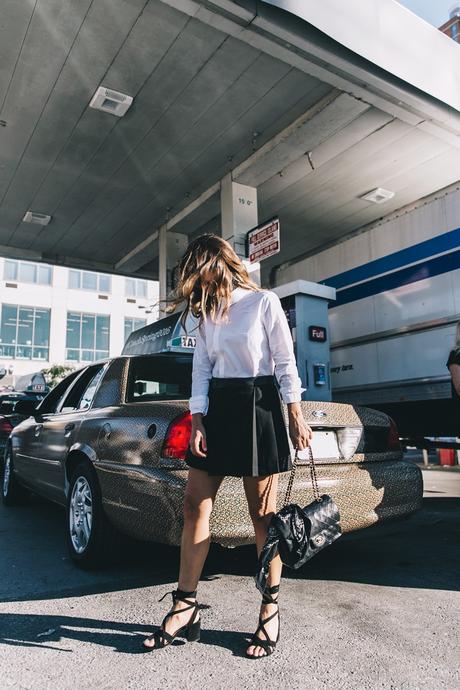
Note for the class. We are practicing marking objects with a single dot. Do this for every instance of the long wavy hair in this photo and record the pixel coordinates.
(206, 275)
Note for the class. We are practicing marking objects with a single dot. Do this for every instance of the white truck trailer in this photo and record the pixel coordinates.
(394, 320)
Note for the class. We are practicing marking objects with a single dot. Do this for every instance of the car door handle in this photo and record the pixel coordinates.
(38, 429)
(68, 428)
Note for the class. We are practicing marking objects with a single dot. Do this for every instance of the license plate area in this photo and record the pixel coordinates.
(324, 444)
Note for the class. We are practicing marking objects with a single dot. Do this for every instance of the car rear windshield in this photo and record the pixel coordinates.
(159, 377)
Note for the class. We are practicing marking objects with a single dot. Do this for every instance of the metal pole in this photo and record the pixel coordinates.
(162, 266)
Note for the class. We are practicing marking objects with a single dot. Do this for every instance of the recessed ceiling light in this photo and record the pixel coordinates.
(110, 101)
(37, 218)
(378, 196)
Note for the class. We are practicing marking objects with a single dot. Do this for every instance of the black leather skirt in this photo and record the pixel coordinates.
(245, 429)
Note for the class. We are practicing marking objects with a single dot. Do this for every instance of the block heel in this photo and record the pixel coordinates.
(194, 631)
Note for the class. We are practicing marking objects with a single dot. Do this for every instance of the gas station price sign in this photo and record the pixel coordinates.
(264, 240)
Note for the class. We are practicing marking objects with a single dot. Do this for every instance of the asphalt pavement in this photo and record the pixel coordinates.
(378, 610)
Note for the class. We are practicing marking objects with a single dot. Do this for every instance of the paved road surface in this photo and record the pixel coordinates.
(379, 610)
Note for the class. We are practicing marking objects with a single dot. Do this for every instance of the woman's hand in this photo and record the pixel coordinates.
(299, 431)
(198, 436)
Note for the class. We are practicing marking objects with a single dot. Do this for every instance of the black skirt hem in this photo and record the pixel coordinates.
(198, 466)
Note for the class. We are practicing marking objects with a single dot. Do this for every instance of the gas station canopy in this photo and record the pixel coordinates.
(313, 104)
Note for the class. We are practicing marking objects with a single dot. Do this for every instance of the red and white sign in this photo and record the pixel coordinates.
(264, 241)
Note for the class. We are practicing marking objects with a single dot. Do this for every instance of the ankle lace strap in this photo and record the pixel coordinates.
(181, 595)
(267, 596)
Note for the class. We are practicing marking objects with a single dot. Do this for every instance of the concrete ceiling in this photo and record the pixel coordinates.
(218, 87)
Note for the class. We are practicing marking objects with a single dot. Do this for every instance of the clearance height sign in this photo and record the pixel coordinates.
(264, 241)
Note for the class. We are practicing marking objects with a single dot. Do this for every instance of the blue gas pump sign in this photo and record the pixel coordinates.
(317, 333)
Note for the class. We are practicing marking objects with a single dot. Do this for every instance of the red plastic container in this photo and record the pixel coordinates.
(446, 456)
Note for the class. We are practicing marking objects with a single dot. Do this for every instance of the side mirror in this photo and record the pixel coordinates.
(26, 407)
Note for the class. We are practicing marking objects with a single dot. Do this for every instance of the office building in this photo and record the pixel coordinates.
(452, 26)
(57, 315)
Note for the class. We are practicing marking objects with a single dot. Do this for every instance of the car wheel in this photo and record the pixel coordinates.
(12, 492)
(89, 533)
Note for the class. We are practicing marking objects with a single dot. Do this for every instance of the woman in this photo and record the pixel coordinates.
(238, 426)
(453, 364)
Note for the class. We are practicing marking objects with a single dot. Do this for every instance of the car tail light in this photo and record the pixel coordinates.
(393, 436)
(348, 439)
(178, 437)
(5, 426)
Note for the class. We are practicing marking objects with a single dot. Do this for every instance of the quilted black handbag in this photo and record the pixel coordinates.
(296, 533)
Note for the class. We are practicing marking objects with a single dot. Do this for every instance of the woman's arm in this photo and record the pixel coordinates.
(455, 373)
(282, 349)
(201, 374)
(199, 401)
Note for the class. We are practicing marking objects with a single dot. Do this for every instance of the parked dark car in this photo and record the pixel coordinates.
(9, 418)
(109, 442)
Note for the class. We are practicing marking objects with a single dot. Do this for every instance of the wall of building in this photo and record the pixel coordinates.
(117, 304)
(452, 27)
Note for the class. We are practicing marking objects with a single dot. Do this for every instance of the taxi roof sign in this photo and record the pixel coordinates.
(164, 335)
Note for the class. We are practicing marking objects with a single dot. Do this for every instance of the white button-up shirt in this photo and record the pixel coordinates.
(255, 341)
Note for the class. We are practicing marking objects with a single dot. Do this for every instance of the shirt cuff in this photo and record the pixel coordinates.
(292, 396)
(199, 403)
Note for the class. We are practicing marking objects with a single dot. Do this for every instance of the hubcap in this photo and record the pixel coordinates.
(6, 473)
(81, 514)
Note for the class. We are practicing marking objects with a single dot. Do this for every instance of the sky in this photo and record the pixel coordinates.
(433, 11)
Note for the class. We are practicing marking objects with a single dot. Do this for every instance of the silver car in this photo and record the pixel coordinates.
(108, 443)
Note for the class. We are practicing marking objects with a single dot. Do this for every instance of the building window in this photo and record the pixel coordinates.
(87, 280)
(27, 272)
(87, 337)
(24, 332)
(135, 287)
(132, 325)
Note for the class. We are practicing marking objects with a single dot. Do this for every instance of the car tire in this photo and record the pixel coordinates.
(89, 535)
(12, 492)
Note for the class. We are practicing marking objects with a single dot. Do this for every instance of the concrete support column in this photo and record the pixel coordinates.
(238, 204)
(171, 246)
(162, 266)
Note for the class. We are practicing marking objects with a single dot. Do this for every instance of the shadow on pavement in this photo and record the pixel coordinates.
(25, 630)
(422, 551)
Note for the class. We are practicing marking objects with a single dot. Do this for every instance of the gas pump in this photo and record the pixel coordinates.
(306, 307)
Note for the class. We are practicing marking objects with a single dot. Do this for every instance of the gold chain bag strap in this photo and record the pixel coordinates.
(296, 533)
(314, 477)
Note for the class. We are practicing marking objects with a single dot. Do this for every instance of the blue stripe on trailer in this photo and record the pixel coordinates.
(406, 276)
(418, 252)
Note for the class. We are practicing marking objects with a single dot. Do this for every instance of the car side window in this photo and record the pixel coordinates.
(88, 395)
(158, 377)
(51, 402)
(75, 395)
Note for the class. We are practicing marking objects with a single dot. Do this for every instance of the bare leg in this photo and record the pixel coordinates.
(200, 494)
(261, 497)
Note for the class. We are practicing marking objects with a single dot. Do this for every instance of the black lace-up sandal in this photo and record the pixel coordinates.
(190, 631)
(267, 644)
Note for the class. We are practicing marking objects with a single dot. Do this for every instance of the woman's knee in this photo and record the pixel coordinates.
(195, 510)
